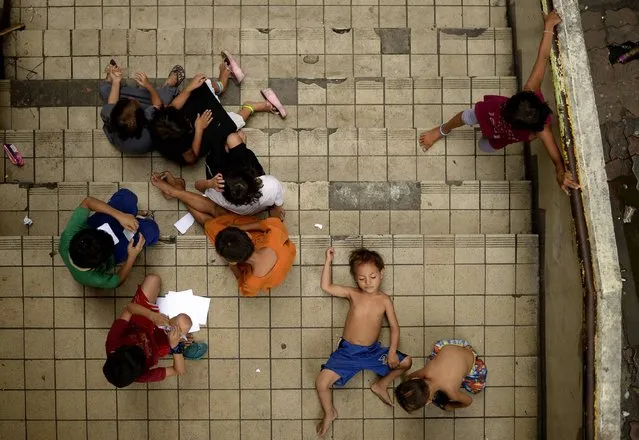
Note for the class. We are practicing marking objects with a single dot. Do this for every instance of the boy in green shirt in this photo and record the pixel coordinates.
(92, 245)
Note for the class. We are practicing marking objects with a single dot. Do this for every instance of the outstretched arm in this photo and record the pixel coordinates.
(539, 69)
(327, 282)
(564, 178)
(180, 99)
(393, 360)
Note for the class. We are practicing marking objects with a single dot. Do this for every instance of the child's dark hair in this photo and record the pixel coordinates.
(127, 120)
(234, 245)
(242, 186)
(362, 256)
(124, 365)
(91, 248)
(412, 394)
(525, 111)
(169, 128)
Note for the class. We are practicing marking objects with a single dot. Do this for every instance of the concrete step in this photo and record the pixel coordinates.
(333, 13)
(318, 208)
(344, 154)
(287, 52)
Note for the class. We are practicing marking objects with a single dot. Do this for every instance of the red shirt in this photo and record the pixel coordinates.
(151, 339)
(494, 127)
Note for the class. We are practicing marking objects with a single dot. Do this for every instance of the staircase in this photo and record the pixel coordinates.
(360, 80)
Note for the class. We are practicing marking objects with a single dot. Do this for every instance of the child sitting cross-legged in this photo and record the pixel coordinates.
(452, 365)
(359, 348)
(142, 335)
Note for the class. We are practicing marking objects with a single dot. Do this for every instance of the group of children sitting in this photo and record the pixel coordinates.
(192, 124)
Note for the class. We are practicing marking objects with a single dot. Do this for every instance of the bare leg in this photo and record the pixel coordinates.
(380, 388)
(225, 73)
(428, 138)
(151, 287)
(190, 199)
(323, 384)
(180, 185)
(258, 107)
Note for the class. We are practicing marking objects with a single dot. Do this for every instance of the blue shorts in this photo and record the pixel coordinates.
(126, 201)
(349, 359)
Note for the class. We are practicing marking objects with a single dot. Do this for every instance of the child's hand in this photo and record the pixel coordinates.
(566, 181)
(142, 80)
(392, 360)
(551, 20)
(128, 221)
(203, 120)
(134, 251)
(330, 254)
(174, 337)
(218, 182)
(196, 82)
(160, 319)
(115, 74)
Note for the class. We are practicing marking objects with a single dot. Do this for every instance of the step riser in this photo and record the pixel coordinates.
(341, 208)
(317, 52)
(474, 249)
(280, 14)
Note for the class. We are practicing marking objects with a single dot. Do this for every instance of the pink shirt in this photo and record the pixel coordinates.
(494, 127)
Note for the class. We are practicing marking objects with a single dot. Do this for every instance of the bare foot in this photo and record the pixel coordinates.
(428, 138)
(322, 427)
(161, 184)
(382, 393)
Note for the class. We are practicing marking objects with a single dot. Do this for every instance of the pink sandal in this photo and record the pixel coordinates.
(235, 69)
(14, 155)
(272, 98)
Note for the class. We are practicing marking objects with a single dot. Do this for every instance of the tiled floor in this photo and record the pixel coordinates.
(361, 80)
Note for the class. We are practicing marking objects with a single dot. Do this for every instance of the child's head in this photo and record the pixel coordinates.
(127, 119)
(242, 186)
(91, 248)
(367, 267)
(124, 365)
(183, 322)
(412, 394)
(169, 128)
(234, 245)
(525, 111)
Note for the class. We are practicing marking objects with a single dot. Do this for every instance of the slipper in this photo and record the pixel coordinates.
(271, 97)
(195, 350)
(14, 155)
(233, 66)
(179, 73)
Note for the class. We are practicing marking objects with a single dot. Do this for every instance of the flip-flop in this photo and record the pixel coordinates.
(13, 154)
(233, 66)
(271, 97)
(196, 350)
(179, 73)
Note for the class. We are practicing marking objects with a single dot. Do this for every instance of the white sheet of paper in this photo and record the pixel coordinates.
(197, 307)
(128, 234)
(184, 223)
(106, 228)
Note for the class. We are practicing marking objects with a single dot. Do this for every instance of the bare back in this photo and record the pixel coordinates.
(365, 315)
(447, 370)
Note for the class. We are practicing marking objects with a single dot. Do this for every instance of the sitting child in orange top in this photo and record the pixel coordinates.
(259, 252)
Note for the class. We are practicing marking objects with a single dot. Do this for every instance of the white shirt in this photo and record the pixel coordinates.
(272, 194)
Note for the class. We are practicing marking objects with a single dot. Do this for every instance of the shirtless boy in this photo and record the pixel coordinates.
(359, 348)
(453, 365)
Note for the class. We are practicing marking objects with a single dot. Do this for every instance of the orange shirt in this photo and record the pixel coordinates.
(275, 237)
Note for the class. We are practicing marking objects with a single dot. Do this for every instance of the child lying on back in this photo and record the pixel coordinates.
(359, 348)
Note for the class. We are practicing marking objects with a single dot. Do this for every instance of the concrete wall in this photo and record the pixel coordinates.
(560, 269)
